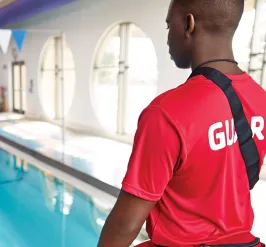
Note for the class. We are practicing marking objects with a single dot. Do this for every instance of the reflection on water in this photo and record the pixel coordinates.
(50, 191)
(60, 197)
(38, 209)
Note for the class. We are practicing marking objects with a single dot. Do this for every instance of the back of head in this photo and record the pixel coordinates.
(217, 16)
(197, 23)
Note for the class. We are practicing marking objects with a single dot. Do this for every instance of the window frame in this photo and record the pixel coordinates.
(124, 33)
(59, 46)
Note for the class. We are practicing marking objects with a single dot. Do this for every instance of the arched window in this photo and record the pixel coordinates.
(55, 91)
(124, 78)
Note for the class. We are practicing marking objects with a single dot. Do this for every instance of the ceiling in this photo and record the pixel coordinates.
(16, 10)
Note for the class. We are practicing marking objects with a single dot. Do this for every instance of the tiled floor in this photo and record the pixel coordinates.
(101, 158)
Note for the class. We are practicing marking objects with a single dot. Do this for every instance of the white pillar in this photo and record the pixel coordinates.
(255, 42)
(257, 46)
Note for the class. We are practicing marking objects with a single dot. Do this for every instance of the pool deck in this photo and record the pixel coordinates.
(103, 159)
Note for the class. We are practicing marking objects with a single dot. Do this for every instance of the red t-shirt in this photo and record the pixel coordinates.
(187, 159)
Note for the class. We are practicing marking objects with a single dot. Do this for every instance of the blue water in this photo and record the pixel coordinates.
(38, 210)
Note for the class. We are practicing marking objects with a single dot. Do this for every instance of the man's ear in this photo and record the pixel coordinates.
(190, 25)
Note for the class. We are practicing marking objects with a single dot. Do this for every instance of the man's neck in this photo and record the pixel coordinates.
(209, 47)
(202, 54)
(225, 67)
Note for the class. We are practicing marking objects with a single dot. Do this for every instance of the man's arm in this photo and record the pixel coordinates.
(125, 221)
(154, 156)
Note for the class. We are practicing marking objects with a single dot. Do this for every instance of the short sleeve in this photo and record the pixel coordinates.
(154, 156)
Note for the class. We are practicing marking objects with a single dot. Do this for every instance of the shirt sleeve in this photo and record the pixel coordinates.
(154, 156)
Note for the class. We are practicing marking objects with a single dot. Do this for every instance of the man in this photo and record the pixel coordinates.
(186, 176)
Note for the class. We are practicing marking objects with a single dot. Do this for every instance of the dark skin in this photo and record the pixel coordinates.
(125, 221)
(189, 46)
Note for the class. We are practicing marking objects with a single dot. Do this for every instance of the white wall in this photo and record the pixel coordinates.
(84, 22)
(5, 76)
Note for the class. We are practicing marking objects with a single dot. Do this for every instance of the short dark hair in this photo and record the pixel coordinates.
(215, 15)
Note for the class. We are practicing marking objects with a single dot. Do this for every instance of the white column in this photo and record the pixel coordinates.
(59, 68)
(255, 42)
(257, 46)
(122, 87)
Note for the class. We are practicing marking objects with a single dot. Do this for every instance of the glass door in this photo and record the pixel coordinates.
(19, 87)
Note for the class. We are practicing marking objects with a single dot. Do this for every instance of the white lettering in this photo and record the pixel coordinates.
(222, 135)
(257, 126)
(229, 141)
(218, 136)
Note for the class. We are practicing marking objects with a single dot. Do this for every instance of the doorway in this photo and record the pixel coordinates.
(19, 80)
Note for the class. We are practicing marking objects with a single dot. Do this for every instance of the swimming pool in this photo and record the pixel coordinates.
(39, 210)
(36, 209)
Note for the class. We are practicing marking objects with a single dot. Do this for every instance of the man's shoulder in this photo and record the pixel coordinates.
(174, 95)
(167, 96)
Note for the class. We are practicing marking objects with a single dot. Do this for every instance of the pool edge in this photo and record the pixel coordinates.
(107, 188)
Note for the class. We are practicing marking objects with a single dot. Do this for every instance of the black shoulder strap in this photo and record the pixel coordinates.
(246, 143)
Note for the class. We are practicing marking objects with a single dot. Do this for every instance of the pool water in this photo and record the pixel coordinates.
(38, 210)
